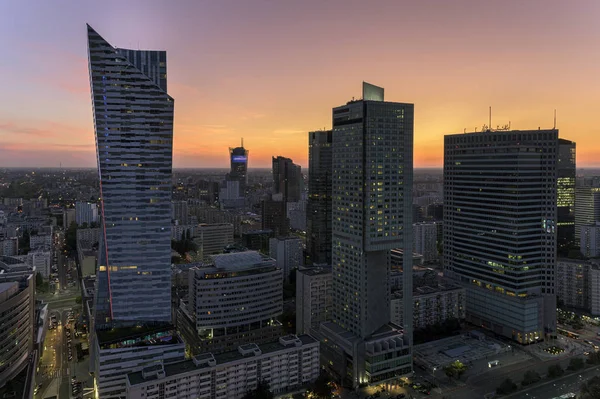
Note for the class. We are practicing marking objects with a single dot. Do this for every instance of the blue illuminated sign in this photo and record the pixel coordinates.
(239, 158)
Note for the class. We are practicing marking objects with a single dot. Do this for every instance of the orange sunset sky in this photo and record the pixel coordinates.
(270, 71)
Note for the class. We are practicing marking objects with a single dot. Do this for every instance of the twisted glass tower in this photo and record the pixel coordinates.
(133, 122)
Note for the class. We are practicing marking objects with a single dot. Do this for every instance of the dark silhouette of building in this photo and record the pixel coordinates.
(318, 213)
(274, 217)
(287, 179)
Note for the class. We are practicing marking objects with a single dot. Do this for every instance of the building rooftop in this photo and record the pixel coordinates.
(202, 361)
(315, 271)
(142, 335)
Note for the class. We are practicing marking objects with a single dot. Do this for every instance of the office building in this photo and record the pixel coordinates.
(397, 260)
(253, 286)
(296, 213)
(431, 305)
(318, 212)
(594, 289)
(40, 261)
(17, 334)
(213, 238)
(85, 212)
(180, 212)
(287, 179)
(590, 240)
(372, 214)
(40, 241)
(274, 217)
(313, 298)
(573, 278)
(287, 365)
(133, 121)
(69, 217)
(500, 228)
(587, 206)
(565, 195)
(238, 158)
(89, 235)
(425, 240)
(9, 246)
(287, 252)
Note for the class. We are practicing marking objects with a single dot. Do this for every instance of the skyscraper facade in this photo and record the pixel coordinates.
(133, 121)
(500, 228)
(287, 179)
(318, 213)
(587, 205)
(238, 158)
(372, 150)
(565, 195)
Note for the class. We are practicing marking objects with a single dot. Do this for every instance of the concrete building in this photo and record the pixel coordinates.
(87, 256)
(565, 195)
(274, 217)
(230, 196)
(431, 305)
(594, 289)
(313, 298)
(213, 238)
(89, 235)
(253, 287)
(590, 240)
(572, 283)
(288, 253)
(178, 231)
(69, 217)
(296, 213)
(9, 246)
(318, 212)
(397, 260)
(425, 240)
(587, 206)
(85, 212)
(17, 334)
(180, 212)
(287, 179)
(126, 350)
(41, 261)
(287, 365)
(40, 241)
(500, 228)
(372, 214)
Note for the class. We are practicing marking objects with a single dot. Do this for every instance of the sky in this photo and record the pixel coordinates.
(270, 71)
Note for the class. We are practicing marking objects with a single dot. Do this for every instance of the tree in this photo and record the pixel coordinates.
(322, 388)
(39, 280)
(555, 371)
(576, 363)
(455, 369)
(78, 299)
(507, 387)
(530, 377)
(261, 392)
(590, 389)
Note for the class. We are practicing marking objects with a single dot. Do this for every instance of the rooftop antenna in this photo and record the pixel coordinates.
(555, 119)
(242, 142)
(490, 124)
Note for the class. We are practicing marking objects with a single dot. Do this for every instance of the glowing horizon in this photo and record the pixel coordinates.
(272, 72)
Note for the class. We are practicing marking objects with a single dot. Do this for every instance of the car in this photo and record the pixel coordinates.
(37, 388)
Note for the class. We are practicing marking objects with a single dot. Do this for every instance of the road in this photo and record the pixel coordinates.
(560, 386)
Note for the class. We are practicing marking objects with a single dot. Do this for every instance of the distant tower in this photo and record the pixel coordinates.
(287, 179)
(239, 166)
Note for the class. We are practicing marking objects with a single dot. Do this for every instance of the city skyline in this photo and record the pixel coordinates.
(242, 80)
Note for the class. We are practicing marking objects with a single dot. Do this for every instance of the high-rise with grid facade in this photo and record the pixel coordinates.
(372, 151)
(500, 219)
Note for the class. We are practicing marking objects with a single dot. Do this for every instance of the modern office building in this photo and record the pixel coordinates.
(313, 298)
(180, 212)
(213, 238)
(274, 217)
(287, 179)
(587, 206)
(235, 299)
(85, 212)
(288, 253)
(573, 278)
(372, 174)
(500, 228)
(9, 246)
(565, 195)
(590, 240)
(238, 158)
(318, 212)
(17, 331)
(133, 121)
(40, 261)
(287, 365)
(40, 241)
(425, 240)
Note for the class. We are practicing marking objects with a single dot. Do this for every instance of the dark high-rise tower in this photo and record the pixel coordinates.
(318, 213)
(565, 196)
(133, 121)
(372, 147)
(500, 228)
(238, 158)
(287, 179)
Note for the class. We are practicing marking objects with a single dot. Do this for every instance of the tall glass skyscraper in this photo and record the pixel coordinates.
(372, 171)
(500, 218)
(133, 121)
(565, 196)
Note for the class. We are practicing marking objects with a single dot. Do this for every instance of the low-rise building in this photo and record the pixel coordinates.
(40, 241)
(431, 305)
(213, 238)
(590, 240)
(287, 364)
(41, 261)
(9, 246)
(313, 298)
(89, 235)
(577, 285)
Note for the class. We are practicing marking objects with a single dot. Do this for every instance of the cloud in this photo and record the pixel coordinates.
(11, 128)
